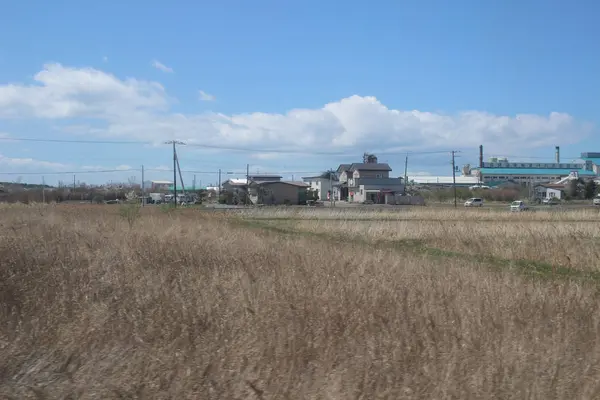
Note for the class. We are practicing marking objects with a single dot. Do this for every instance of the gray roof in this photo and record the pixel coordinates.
(325, 178)
(293, 183)
(369, 167)
(343, 167)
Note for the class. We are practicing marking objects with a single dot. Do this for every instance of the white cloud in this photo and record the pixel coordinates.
(160, 66)
(419, 173)
(205, 96)
(135, 109)
(268, 156)
(30, 162)
(123, 167)
(64, 92)
(161, 168)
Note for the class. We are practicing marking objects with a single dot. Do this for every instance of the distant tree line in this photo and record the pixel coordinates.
(60, 195)
(578, 189)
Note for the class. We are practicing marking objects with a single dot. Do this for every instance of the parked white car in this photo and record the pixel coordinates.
(596, 201)
(474, 202)
(551, 201)
(518, 205)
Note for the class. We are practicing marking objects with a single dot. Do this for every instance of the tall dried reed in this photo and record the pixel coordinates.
(190, 305)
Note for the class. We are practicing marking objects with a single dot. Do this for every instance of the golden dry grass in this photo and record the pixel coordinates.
(192, 305)
(564, 243)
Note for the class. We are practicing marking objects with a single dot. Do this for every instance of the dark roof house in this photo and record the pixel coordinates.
(369, 167)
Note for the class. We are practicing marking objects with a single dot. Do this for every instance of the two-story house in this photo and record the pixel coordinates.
(322, 184)
(368, 181)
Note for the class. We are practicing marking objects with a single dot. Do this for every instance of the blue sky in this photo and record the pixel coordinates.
(518, 77)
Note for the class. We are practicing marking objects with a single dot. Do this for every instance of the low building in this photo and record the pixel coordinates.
(594, 158)
(444, 181)
(549, 191)
(234, 185)
(500, 169)
(239, 184)
(160, 185)
(278, 192)
(264, 178)
(322, 184)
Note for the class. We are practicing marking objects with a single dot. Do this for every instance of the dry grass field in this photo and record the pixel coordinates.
(98, 302)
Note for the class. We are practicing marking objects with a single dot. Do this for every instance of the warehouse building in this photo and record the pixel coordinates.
(501, 170)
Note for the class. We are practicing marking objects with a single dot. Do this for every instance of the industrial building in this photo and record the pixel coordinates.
(499, 169)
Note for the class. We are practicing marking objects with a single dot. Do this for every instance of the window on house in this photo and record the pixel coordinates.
(379, 175)
(361, 191)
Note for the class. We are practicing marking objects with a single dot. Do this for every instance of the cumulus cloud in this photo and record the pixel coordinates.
(205, 96)
(63, 92)
(162, 67)
(419, 173)
(136, 109)
(30, 162)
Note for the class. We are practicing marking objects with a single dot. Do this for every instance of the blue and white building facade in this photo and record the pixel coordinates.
(500, 170)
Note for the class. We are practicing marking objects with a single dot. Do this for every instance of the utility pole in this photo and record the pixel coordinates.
(180, 177)
(454, 176)
(174, 143)
(43, 190)
(219, 181)
(330, 190)
(247, 183)
(73, 184)
(405, 172)
(143, 188)
(194, 184)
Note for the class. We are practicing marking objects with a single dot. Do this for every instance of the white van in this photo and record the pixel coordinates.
(474, 202)
(518, 205)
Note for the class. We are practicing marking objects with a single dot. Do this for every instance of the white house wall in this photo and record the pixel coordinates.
(321, 185)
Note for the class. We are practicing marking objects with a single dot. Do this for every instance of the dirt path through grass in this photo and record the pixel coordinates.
(527, 267)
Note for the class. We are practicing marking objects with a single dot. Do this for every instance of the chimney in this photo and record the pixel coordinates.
(480, 156)
(557, 155)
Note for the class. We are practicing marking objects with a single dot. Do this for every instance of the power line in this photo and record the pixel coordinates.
(259, 150)
(69, 172)
(99, 171)
(219, 147)
(72, 141)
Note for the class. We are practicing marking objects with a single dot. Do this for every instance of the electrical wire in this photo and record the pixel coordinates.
(70, 172)
(225, 173)
(71, 141)
(229, 148)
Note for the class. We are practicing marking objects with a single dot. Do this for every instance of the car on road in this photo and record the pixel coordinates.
(551, 201)
(517, 206)
(596, 201)
(474, 202)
